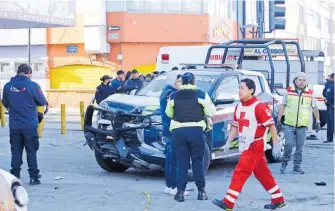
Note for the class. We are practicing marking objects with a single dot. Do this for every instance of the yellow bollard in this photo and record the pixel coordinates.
(63, 115)
(40, 125)
(82, 114)
(2, 115)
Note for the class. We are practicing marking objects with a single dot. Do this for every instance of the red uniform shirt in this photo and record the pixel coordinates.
(263, 116)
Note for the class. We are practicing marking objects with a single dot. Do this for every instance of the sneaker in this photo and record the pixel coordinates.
(167, 190)
(298, 170)
(283, 166)
(274, 206)
(221, 204)
(174, 192)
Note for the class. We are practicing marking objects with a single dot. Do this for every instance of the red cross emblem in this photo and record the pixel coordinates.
(242, 122)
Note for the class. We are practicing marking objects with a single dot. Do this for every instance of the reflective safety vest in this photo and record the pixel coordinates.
(298, 107)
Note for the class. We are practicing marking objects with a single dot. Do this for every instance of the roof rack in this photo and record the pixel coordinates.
(260, 43)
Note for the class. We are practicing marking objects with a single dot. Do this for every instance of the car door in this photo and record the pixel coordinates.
(226, 89)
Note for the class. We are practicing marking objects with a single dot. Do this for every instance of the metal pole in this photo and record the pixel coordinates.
(29, 56)
(244, 20)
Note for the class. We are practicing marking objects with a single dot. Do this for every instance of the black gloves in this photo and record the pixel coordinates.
(40, 117)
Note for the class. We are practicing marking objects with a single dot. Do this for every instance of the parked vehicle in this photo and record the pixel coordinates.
(13, 196)
(128, 132)
(129, 128)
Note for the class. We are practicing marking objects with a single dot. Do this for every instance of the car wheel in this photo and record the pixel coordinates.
(108, 164)
(207, 161)
(268, 153)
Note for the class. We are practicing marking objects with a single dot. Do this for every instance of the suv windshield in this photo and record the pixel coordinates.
(155, 87)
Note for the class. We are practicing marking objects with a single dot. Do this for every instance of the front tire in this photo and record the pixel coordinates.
(108, 164)
(207, 161)
(268, 153)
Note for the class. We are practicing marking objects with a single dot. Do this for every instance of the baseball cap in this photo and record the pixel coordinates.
(24, 68)
(105, 77)
(134, 71)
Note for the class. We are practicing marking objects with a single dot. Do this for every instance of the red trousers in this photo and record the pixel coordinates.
(252, 161)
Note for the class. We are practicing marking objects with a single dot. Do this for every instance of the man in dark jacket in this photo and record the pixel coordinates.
(118, 82)
(133, 83)
(328, 93)
(22, 96)
(173, 83)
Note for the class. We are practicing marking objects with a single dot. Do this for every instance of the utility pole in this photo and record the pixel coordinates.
(29, 56)
(260, 18)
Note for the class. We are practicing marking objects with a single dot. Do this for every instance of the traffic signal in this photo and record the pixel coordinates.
(277, 12)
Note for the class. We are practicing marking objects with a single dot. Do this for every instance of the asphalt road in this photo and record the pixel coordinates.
(85, 186)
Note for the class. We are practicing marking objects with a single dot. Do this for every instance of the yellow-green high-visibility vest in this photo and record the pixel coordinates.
(298, 107)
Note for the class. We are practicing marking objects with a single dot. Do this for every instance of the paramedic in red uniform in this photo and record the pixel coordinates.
(252, 119)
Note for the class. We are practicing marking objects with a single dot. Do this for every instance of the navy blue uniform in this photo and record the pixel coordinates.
(189, 108)
(170, 163)
(328, 93)
(22, 96)
(102, 92)
(132, 84)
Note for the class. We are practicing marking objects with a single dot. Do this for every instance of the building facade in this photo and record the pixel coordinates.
(15, 19)
(312, 23)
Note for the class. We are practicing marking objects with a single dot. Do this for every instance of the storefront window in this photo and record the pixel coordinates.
(175, 5)
(192, 6)
(155, 5)
(136, 5)
(313, 18)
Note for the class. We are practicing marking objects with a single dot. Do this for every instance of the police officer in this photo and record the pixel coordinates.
(189, 109)
(22, 96)
(298, 103)
(328, 93)
(104, 90)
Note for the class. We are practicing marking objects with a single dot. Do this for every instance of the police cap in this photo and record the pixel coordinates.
(188, 78)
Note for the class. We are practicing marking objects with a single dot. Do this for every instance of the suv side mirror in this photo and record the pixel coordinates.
(224, 101)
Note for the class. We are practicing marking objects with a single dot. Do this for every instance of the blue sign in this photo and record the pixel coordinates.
(72, 49)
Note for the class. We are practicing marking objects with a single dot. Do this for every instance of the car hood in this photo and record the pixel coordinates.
(131, 103)
(6, 196)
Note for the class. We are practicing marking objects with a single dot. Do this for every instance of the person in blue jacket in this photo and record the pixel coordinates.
(22, 96)
(134, 83)
(104, 90)
(173, 83)
(118, 82)
(328, 93)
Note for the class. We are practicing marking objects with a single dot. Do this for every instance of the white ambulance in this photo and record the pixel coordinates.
(255, 59)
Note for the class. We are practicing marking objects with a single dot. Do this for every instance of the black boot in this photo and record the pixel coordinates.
(34, 182)
(179, 196)
(274, 206)
(202, 194)
(221, 204)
